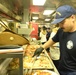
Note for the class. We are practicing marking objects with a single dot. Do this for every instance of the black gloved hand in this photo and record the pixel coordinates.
(38, 51)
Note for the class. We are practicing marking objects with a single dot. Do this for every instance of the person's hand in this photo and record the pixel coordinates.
(38, 51)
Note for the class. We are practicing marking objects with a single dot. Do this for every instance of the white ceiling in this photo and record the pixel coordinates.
(17, 7)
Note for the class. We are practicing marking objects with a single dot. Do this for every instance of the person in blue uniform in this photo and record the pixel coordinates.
(66, 36)
(48, 36)
(48, 33)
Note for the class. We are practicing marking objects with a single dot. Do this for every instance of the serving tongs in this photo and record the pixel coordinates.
(33, 62)
(29, 72)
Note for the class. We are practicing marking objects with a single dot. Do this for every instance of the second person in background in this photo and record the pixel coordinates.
(43, 35)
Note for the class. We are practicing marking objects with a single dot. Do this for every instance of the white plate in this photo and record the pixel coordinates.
(51, 72)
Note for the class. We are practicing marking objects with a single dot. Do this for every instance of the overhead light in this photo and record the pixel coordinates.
(48, 12)
(10, 20)
(34, 17)
(47, 19)
(39, 2)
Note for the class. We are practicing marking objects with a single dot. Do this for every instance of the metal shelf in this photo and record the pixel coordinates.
(14, 55)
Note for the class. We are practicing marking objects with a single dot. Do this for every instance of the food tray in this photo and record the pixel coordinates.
(43, 62)
(43, 72)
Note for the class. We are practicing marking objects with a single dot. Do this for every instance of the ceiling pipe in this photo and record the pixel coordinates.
(8, 13)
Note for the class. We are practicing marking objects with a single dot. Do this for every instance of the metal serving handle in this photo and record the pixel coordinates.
(33, 61)
(4, 25)
(28, 72)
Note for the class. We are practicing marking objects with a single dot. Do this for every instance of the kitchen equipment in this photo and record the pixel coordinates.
(8, 37)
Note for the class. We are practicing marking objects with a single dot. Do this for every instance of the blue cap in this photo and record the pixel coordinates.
(63, 12)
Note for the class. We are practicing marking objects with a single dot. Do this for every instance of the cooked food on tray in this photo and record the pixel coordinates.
(44, 72)
(40, 62)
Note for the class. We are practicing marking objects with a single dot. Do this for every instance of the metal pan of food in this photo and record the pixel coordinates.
(44, 72)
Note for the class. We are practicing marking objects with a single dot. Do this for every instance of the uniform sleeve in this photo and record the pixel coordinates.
(56, 36)
(52, 35)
